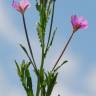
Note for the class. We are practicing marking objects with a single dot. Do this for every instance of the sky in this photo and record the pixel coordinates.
(78, 76)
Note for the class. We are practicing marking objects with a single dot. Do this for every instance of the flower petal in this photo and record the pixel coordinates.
(24, 4)
(78, 22)
(21, 6)
(84, 24)
(16, 5)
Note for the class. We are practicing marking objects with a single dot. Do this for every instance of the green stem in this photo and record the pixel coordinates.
(43, 39)
(63, 51)
(38, 87)
(28, 42)
(51, 25)
(42, 60)
(42, 54)
(29, 93)
(24, 23)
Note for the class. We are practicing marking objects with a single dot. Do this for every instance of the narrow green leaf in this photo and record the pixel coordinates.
(24, 49)
(18, 69)
(64, 62)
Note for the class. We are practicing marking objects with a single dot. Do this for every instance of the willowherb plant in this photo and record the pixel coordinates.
(45, 80)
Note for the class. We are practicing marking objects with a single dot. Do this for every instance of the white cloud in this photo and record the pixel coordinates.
(7, 89)
(70, 69)
(7, 29)
(63, 91)
(67, 76)
(10, 31)
(16, 92)
(10, 34)
(90, 81)
(68, 80)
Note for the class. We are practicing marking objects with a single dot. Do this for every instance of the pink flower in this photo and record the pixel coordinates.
(21, 6)
(78, 23)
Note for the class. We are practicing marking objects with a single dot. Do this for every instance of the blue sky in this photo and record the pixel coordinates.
(78, 76)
